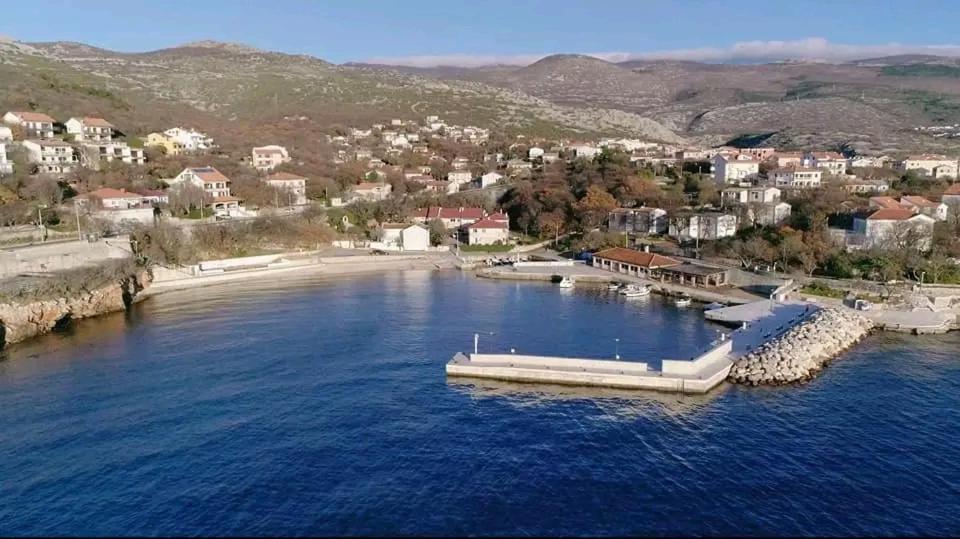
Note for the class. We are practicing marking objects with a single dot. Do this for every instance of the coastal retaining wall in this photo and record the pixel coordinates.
(703, 364)
(540, 362)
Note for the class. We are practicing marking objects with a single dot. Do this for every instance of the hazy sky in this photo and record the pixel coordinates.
(470, 32)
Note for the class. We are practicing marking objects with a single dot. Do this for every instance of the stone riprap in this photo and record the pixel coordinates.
(803, 350)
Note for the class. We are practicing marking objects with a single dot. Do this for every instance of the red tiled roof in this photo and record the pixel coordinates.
(209, 175)
(95, 122)
(366, 186)
(638, 258)
(891, 214)
(885, 202)
(105, 193)
(488, 223)
(919, 201)
(34, 117)
(499, 216)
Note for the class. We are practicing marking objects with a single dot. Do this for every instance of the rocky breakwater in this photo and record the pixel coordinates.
(24, 320)
(803, 350)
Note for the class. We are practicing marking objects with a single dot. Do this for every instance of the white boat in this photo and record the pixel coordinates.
(635, 290)
(566, 282)
(683, 301)
(613, 286)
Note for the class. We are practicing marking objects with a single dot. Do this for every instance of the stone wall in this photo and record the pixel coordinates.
(22, 321)
(802, 351)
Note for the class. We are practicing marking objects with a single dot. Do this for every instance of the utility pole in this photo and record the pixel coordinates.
(76, 208)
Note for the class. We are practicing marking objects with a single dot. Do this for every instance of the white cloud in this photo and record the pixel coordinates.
(813, 48)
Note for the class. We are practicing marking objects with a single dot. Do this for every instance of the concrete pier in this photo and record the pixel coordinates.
(699, 375)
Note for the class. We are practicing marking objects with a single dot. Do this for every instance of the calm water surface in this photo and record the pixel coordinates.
(323, 408)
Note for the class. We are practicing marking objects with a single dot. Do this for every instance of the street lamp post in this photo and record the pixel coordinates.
(76, 209)
(617, 352)
(43, 230)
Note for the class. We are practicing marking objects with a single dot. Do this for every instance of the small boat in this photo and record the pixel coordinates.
(683, 300)
(613, 286)
(566, 282)
(635, 290)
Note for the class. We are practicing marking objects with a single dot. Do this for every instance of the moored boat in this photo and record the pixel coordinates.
(635, 290)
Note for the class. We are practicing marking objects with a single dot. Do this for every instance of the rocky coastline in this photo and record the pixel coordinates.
(22, 321)
(802, 351)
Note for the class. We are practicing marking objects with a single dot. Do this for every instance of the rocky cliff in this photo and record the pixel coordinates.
(22, 321)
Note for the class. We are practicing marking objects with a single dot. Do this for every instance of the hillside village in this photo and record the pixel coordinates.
(418, 185)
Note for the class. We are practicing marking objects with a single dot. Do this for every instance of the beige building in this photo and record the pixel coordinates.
(34, 124)
(167, 143)
(797, 178)
(729, 169)
(488, 232)
(51, 156)
(928, 165)
(293, 188)
(269, 157)
(89, 129)
(215, 186)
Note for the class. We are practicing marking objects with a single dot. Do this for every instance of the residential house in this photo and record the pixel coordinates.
(439, 186)
(215, 186)
(703, 226)
(550, 157)
(534, 152)
(642, 221)
(797, 178)
(928, 165)
(490, 178)
(728, 169)
(866, 161)
(400, 141)
(6, 134)
(90, 129)
(936, 210)
(6, 166)
(404, 237)
(269, 157)
(865, 186)
(759, 154)
(516, 166)
(789, 159)
(460, 163)
(95, 153)
(488, 232)
(51, 156)
(154, 196)
(372, 190)
(946, 171)
(292, 187)
(112, 199)
(452, 218)
(459, 176)
(169, 145)
(763, 204)
(34, 124)
(893, 229)
(362, 154)
(192, 140)
(831, 162)
(584, 150)
(951, 197)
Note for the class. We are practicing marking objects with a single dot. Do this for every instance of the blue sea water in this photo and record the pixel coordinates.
(320, 406)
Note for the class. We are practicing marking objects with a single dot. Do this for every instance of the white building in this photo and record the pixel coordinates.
(112, 199)
(459, 176)
(730, 170)
(6, 166)
(191, 140)
(703, 226)
(534, 152)
(372, 190)
(831, 162)
(865, 186)
(936, 210)
(488, 232)
(490, 178)
(215, 186)
(34, 124)
(404, 237)
(643, 221)
(51, 156)
(95, 153)
(584, 150)
(797, 178)
(747, 195)
(927, 164)
(293, 188)
(269, 157)
(90, 129)
(893, 229)
(6, 134)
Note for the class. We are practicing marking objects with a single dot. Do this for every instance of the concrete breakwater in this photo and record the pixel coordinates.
(22, 321)
(803, 350)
